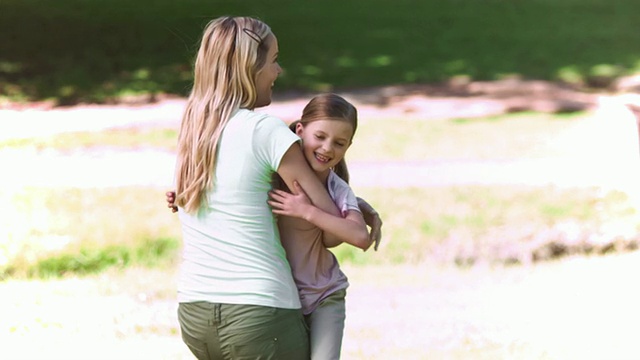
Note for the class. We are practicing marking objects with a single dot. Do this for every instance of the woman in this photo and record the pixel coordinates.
(237, 297)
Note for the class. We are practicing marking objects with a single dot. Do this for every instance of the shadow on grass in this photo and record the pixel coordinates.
(84, 51)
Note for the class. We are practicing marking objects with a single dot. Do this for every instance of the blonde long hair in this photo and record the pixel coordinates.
(232, 52)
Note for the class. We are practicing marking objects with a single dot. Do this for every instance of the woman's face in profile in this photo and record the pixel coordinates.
(267, 76)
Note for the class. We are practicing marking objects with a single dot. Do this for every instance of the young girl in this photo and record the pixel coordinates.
(327, 127)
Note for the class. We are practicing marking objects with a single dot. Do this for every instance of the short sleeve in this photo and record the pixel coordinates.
(271, 139)
(342, 195)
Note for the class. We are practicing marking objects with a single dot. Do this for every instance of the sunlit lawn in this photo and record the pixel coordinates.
(51, 232)
(47, 232)
(95, 268)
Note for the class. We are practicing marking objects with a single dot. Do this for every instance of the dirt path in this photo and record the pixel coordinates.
(155, 168)
(580, 308)
(586, 163)
(423, 102)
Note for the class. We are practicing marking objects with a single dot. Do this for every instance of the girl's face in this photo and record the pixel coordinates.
(268, 74)
(325, 142)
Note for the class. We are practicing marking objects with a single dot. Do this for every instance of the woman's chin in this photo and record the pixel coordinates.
(262, 103)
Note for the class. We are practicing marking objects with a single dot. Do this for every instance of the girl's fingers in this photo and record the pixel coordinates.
(276, 210)
(280, 197)
(275, 204)
(280, 192)
(274, 207)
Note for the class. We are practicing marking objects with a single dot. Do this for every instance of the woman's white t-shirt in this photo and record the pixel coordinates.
(231, 249)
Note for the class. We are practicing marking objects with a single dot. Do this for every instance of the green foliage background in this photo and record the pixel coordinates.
(98, 51)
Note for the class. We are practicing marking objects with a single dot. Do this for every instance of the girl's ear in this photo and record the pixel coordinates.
(299, 128)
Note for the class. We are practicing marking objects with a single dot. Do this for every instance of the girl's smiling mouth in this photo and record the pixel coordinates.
(322, 158)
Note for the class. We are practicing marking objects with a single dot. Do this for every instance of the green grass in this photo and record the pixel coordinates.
(53, 232)
(83, 50)
(82, 231)
(494, 224)
(525, 135)
(91, 259)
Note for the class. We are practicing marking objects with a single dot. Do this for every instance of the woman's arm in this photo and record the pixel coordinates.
(370, 215)
(294, 167)
(350, 229)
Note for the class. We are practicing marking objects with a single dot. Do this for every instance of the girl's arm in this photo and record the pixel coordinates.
(295, 168)
(171, 200)
(373, 220)
(370, 215)
(350, 229)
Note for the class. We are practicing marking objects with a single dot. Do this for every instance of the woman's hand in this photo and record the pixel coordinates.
(171, 199)
(294, 205)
